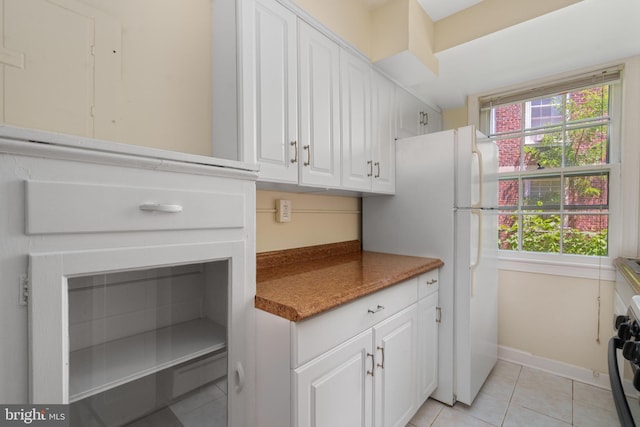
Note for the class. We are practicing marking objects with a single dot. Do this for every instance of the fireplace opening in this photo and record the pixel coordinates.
(149, 345)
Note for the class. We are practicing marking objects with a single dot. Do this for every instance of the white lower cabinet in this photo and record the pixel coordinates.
(396, 342)
(428, 321)
(137, 278)
(427, 352)
(335, 389)
(371, 362)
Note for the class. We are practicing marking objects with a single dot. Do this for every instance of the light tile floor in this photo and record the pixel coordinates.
(206, 406)
(518, 396)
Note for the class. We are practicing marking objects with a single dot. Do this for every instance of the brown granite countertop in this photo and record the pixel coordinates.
(299, 283)
(627, 272)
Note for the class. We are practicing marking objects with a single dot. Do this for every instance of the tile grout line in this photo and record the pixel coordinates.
(513, 391)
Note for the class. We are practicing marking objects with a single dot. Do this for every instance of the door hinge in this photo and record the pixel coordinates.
(92, 50)
(23, 293)
(438, 314)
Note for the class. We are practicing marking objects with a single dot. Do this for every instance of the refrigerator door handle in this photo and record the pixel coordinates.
(476, 151)
(474, 265)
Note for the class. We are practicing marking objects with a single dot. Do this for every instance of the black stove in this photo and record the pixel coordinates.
(624, 372)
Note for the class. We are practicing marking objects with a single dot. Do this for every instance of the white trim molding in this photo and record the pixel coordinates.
(558, 267)
(565, 370)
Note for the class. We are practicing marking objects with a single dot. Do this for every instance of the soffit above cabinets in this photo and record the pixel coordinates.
(436, 9)
(475, 57)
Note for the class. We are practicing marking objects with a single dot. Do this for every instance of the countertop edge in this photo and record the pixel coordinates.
(296, 314)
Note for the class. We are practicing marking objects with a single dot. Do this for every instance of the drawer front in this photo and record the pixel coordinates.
(69, 207)
(314, 336)
(428, 283)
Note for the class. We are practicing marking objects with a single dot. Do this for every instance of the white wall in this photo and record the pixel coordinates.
(137, 72)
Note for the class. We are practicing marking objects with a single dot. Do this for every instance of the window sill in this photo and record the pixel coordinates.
(581, 267)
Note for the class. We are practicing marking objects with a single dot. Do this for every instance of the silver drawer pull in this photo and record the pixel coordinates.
(432, 281)
(381, 365)
(308, 148)
(294, 144)
(377, 309)
(373, 364)
(160, 207)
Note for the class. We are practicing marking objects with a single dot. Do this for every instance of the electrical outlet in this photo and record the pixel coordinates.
(283, 210)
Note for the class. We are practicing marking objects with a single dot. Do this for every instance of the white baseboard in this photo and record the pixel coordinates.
(573, 372)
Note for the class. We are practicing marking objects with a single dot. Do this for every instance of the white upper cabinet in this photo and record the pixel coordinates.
(319, 134)
(275, 83)
(383, 114)
(357, 161)
(411, 115)
(368, 128)
(433, 120)
(304, 105)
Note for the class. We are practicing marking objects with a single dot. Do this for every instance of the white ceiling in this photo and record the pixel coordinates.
(583, 35)
(438, 9)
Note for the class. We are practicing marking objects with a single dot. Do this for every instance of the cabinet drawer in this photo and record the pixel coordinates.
(314, 336)
(69, 207)
(428, 283)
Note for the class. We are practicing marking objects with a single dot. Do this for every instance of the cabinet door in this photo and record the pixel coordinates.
(357, 160)
(395, 346)
(335, 389)
(427, 347)
(275, 86)
(383, 135)
(433, 120)
(410, 115)
(319, 136)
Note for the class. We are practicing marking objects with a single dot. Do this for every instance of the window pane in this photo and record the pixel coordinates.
(541, 193)
(587, 146)
(508, 232)
(507, 118)
(588, 103)
(587, 191)
(586, 235)
(544, 112)
(541, 233)
(543, 151)
(509, 154)
(508, 193)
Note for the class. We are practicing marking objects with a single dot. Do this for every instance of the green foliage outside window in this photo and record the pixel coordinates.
(580, 145)
(541, 233)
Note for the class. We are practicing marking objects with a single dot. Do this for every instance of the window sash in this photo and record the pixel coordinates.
(561, 177)
(595, 78)
(557, 196)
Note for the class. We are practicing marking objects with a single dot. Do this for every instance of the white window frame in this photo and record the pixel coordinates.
(624, 179)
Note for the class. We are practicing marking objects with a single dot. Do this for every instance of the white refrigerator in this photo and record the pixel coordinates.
(445, 207)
